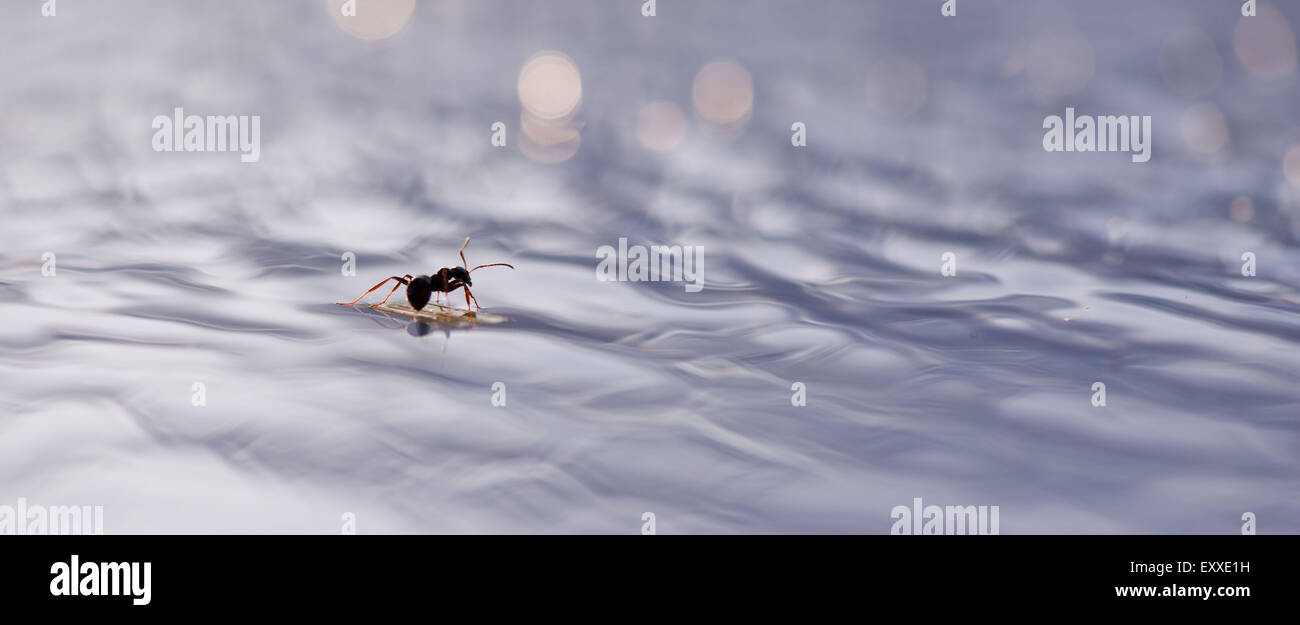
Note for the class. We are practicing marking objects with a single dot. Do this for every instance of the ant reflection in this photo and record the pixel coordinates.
(420, 327)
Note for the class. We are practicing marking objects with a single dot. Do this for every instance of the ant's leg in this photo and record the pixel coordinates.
(372, 289)
(395, 286)
(468, 296)
(379, 323)
(457, 284)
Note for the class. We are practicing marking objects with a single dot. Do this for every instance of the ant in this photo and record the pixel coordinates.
(445, 280)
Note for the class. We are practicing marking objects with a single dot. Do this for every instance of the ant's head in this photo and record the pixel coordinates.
(461, 274)
(418, 291)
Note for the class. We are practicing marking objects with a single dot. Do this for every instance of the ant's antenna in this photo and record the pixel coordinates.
(462, 259)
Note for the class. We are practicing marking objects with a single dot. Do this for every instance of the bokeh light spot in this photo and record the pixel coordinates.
(723, 94)
(1242, 209)
(550, 85)
(1204, 129)
(895, 87)
(1265, 44)
(1291, 165)
(374, 19)
(660, 126)
(1059, 63)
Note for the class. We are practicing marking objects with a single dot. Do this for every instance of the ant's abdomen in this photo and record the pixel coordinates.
(418, 291)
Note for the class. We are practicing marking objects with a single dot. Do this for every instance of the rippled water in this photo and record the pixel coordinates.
(821, 267)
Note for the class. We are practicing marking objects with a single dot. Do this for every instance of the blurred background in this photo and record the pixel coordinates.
(924, 136)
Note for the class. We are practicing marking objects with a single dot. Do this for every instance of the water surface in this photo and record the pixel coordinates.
(821, 267)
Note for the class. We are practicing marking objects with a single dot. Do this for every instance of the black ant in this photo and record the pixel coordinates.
(445, 280)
